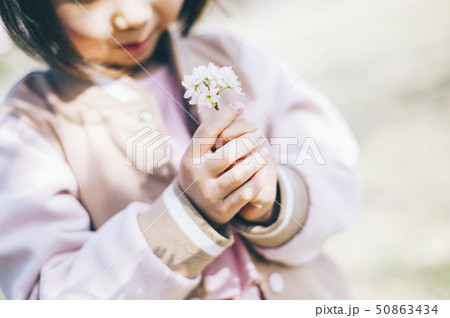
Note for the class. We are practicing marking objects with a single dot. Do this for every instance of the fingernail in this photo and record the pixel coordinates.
(237, 106)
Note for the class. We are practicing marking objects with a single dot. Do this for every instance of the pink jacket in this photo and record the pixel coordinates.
(63, 174)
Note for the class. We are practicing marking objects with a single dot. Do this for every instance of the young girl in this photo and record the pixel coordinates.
(79, 221)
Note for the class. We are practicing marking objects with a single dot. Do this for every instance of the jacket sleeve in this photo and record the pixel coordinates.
(47, 250)
(319, 159)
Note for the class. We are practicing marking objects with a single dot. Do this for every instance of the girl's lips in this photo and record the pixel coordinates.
(138, 45)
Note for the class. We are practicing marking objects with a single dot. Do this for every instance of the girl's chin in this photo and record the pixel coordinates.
(128, 61)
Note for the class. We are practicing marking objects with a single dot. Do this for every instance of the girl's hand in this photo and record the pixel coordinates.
(261, 208)
(218, 191)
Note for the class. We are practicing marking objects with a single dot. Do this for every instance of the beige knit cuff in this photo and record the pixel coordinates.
(180, 236)
(294, 203)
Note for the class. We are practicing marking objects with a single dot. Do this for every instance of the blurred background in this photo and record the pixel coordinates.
(389, 75)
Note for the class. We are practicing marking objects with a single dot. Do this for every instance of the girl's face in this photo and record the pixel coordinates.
(97, 27)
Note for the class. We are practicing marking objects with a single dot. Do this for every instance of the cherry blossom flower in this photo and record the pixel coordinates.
(205, 84)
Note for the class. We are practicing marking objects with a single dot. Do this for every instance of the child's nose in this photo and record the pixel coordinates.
(132, 14)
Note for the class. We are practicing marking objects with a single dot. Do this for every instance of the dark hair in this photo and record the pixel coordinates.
(36, 29)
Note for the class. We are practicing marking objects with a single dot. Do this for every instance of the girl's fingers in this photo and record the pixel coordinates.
(207, 133)
(237, 199)
(238, 174)
(228, 154)
(237, 128)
